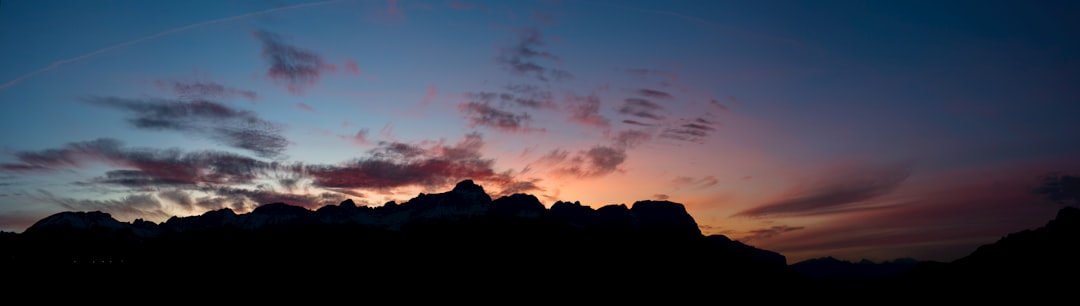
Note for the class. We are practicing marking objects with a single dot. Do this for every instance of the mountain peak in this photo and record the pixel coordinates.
(77, 220)
(468, 186)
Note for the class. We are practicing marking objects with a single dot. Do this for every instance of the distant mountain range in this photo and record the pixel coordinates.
(463, 239)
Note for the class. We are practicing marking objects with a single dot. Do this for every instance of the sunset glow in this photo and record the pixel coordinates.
(849, 129)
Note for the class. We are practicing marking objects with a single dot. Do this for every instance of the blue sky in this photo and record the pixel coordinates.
(850, 129)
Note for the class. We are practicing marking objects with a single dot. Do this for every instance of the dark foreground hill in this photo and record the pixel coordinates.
(1032, 266)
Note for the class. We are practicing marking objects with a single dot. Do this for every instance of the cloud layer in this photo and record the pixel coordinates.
(394, 164)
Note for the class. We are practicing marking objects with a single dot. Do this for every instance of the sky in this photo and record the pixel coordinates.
(852, 129)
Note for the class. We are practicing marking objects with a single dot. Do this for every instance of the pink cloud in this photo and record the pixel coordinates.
(585, 110)
(351, 67)
(432, 93)
(392, 8)
(695, 183)
(303, 106)
(361, 138)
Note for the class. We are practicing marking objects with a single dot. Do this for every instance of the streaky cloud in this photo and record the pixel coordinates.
(223, 124)
(522, 58)
(144, 167)
(845, 192)
(200, 90)
(655, 94)
(486, 115)
(695, 130)
(765, 233)
(641, 108)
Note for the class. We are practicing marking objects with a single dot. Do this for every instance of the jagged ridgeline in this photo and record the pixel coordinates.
(444, 235)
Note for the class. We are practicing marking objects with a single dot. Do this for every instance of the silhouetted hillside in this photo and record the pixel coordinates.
(1038, 266)
(511, 243)
(463, 243)
(832, 269)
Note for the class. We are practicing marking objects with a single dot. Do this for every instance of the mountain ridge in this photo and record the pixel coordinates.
(509, 241)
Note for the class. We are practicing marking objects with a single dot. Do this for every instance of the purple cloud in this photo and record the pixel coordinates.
(292, 66)
(765, 233)
(594, 162)
(397, 164)
(641, 108)
(200, 90)
(690, 130)
(521, 58)
(145, 166)
(585, 110)
(655, 94)
(840, 193)
(483, 114)
(629, 139)
(695, 183)
(235, 128)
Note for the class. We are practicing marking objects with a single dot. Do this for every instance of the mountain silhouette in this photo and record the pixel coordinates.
(511, 244)
(462, 243)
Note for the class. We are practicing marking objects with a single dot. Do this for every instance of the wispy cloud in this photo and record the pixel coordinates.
(226, 125)
(523, 57)
(351, 67)
(144, 166)
(59, 63)
(292, 66)
(429, 97)
(585, 110)
(305, 107)
(695, 130)
(638, 123)
(628, 139)
(641, 108)
(655, 94)
(360, 138)
(594, 162)
(837, 193)
(765, 233)
(531, 96)
(718, 105)
(695, 183)
(204, 90)
(484, 114)
(517, 96)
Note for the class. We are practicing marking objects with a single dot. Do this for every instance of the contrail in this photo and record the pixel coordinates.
(59, 63)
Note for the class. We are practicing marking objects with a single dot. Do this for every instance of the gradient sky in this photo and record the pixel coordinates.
(853, 129)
